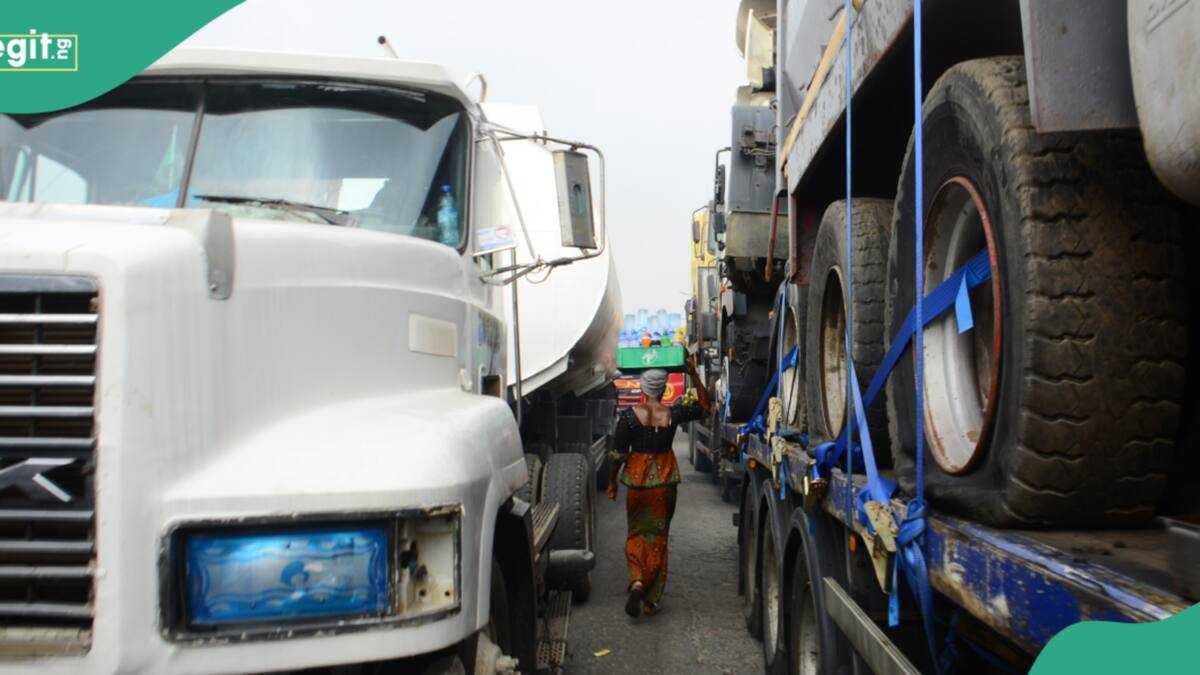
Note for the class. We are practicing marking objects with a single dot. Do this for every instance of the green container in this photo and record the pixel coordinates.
(642, 358)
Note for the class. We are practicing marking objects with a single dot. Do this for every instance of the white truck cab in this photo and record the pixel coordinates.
(255, 384)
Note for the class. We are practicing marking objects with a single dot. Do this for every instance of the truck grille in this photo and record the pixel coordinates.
(48, 330)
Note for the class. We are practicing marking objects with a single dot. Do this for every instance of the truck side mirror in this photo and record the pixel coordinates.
(718, 222)
(719, 187)
(695, 231)
(574, 199)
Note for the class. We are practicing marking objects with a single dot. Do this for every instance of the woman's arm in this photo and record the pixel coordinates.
(621, 440)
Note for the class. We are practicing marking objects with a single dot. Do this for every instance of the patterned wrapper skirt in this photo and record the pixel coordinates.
(649, 512)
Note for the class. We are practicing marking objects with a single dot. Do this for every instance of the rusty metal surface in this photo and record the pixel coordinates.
(1028, 586)
(876, 27)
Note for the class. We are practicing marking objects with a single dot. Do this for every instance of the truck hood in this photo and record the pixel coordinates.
(311, 314)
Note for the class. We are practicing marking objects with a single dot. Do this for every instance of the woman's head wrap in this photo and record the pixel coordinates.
(654, 382)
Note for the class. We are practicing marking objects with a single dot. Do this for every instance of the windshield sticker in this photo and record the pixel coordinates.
(494, 239)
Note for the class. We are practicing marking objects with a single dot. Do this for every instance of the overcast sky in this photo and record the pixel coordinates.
(651, 83)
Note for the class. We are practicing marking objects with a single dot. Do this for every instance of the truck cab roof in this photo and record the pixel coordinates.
(386, 71)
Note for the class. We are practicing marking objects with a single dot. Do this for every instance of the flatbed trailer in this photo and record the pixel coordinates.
(966, 161)
(1022, 585)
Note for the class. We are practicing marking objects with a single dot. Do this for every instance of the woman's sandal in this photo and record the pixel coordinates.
(633, 606)
(650, 609)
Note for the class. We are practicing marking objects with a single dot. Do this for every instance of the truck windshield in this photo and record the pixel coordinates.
(352, 155)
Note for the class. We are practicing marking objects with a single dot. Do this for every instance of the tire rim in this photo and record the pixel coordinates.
(789, 383)
(770, 595)
(808, 646)
(962, 371)
(832, 354)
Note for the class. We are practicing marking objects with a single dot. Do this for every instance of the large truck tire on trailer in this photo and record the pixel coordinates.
(829, 294)
(1063, 404)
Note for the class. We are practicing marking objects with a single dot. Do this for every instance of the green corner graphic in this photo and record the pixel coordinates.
(1167, 646)
(59, 54)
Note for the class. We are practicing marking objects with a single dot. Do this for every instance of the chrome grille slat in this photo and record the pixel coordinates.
(48, 349)
(45, 412)
(44, 572)
(25, 515)
(36, 443)
(46, 546)
(47, 380)
(49, 319)
(46, 610)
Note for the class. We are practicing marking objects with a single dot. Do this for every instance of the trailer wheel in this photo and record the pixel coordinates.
(1062, 404)
(829, 296)
(748, 572)
(530, 491)
(566, 480)
(775, 660)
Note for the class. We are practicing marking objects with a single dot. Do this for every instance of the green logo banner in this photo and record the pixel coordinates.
(57, 54)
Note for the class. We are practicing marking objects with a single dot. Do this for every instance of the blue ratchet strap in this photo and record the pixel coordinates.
(783, 478)
(953, 292)
(757, 423)
(910, 540)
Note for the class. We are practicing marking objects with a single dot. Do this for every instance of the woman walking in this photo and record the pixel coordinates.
(642, 446)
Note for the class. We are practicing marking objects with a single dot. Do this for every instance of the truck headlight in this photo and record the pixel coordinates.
(237, 578)
(257, 578)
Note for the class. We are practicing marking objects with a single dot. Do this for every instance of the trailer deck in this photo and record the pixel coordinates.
(1026, 585)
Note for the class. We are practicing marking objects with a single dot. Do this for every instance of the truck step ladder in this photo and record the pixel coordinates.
(544, 516)
(552, 629)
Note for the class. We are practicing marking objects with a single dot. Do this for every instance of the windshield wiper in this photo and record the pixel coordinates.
(329, 215)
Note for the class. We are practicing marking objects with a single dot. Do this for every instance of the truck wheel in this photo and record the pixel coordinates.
(566, 481)
(748, 542)
(1061, 406)
(530, 490)
(744, 368)
(791, 390)
(704, 463)
(811, 649)
(828, 298)
(499, 622)
(774, 651)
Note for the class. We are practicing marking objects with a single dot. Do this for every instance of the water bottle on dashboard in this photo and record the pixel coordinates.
(447, 218)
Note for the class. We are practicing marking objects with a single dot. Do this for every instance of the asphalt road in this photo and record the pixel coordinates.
(700, 627)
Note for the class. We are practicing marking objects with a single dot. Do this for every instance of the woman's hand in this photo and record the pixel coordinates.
(611, 490)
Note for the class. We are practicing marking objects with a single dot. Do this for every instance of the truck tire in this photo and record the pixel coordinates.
(1066, 395)
(748, 566)
(744, 368)
(828, 297)
(530, 491)
(566, 480)
(814, 644)
(774, 638)
(498, 628)
(704, 463)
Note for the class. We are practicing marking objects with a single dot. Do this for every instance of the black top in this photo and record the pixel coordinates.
(632, 436)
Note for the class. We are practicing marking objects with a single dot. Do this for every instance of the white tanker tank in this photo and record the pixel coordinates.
(569, 317)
